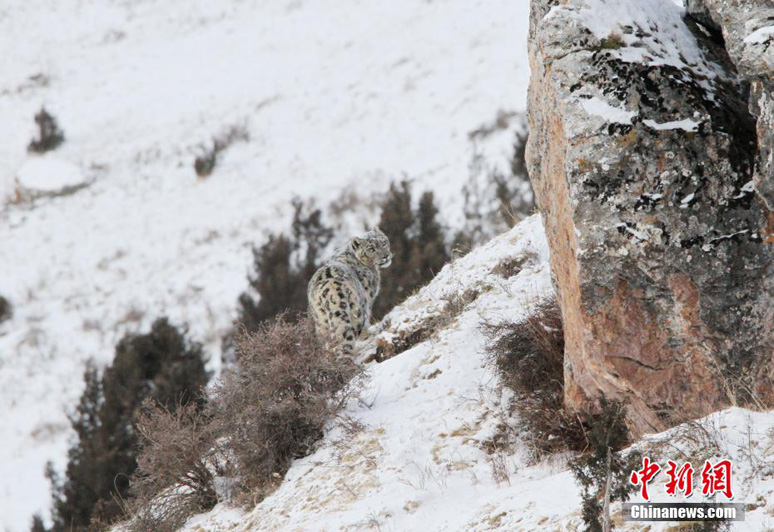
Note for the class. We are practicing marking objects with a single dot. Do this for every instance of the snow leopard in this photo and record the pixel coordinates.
(342, 291)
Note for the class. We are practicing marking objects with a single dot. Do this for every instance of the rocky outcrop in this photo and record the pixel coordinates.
(747, 29)
(641, 154)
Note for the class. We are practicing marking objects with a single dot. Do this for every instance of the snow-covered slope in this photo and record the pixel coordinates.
(334, 94)
(423, 459)
(419, 462)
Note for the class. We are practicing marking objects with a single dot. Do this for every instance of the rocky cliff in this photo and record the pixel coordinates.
(643, 154)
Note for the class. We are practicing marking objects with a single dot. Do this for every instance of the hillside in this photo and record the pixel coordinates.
(650, 152)
(424, 459)
(335, 96)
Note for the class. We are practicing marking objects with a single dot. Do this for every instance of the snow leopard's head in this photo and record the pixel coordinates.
(372, 249)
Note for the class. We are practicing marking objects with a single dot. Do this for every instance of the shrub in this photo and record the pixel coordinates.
(37, 524)
(205, 162)
(176, 467)
(273, 404)
(603, 473)
(49, 134)
(529, 356)
(161, 365)
(6, 310)
(417, 242)
(283, 267)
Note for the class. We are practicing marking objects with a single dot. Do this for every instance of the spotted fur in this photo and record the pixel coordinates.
(342, 292)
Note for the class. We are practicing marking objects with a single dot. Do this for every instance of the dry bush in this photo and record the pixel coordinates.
(6, 310)
(177, 465)
(495, 199)
(456, 303)
(272, 406)
(49, 134)
(529, 356)
(499, 465)
(511, 267)
(206, 161)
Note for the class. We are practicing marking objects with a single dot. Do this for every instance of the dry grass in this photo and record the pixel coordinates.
(510, 267)
(455, 304)
(206, 161)
(529, 356)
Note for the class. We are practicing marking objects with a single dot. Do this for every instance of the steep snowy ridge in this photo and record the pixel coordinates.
(420, 461)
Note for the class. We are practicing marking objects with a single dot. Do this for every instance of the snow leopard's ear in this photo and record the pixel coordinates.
(356, 243)
(378, 231)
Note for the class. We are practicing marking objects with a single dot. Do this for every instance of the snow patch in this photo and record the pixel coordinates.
(48, 176)
(665, 39)
(686, 124)
(598, 107)
(760, 35)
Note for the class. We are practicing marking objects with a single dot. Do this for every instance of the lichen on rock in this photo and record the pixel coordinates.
(641, 153)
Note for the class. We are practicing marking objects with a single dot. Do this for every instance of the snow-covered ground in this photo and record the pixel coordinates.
(421, 460)
(335, 95)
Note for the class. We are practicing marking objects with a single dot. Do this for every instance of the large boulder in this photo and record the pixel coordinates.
(641, 154)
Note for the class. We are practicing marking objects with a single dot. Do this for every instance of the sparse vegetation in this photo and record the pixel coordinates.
(271, 407)
(529, 356)
(6, 309)
(454, 304)
(500, 123)
(177, 465)
(49, 134)
(510, 267)
(602, 471)
(162, 365)
(205, 162)
(417, 242)
(614, 41)
(495, 199)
